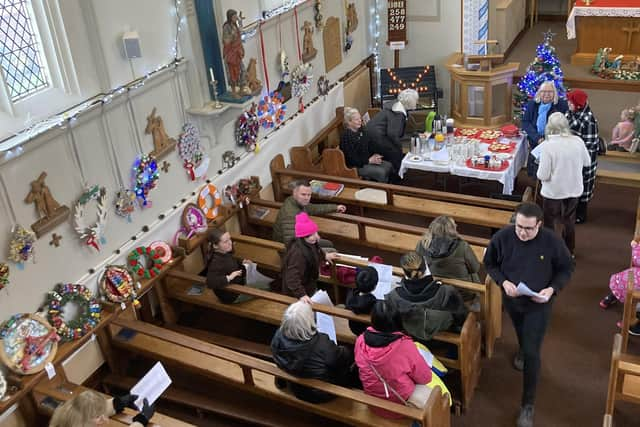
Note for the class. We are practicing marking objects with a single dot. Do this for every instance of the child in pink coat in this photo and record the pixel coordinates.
(623, 131)
(618, 281)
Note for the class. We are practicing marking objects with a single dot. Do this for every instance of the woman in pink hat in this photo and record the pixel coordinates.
(301, 263)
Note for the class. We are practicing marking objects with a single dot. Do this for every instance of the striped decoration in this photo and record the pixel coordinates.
(483, 25)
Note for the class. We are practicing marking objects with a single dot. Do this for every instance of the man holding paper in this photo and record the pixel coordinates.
(528, 254)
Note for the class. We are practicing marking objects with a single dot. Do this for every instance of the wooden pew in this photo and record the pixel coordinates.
(59, 390)
(620, 178)
(248, 374)
(624, 379)
(464, 209)
(268, 307)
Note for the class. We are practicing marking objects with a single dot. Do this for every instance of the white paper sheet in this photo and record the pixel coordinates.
(386, 280)
(322, 297)
(151, 386)
(523, 289)
(254, 276)
(427, 356)
(325, 322)
(537, 151)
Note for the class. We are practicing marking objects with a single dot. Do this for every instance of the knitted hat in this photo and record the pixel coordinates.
(366, 279)
(577, 98)
(304, 226)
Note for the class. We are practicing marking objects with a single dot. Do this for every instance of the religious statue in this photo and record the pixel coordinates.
(255, 85)
(162, 144)
(308, 51)
(233, 54)
(50, 211)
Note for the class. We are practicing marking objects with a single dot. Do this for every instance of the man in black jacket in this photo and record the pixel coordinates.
(527, 253)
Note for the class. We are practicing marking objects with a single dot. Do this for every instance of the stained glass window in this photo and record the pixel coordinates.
(21, 59)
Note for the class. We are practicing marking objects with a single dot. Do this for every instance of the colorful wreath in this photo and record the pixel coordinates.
(271, 110)
(89, 311)
(247, 127)
(94, 233)
(27, 344)
(4, 275)
(21, 245)
(194, 221)
(145, 177)
(138, 268)
(125, 203)
(163, 250)
(323, 86)
(301, 79)
(191, 152)
(116, 285)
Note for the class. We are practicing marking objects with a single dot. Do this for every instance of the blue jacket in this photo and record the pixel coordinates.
(530, 118)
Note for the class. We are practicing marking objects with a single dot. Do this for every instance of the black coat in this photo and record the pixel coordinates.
(317, 358)
(220, 265)
(385, 130)
(356, 147)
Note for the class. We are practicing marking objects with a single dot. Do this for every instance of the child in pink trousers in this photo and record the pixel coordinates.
(618, 281)
(623, 132)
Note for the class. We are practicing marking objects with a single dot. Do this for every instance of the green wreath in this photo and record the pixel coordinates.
(89, 308)
(135, 263)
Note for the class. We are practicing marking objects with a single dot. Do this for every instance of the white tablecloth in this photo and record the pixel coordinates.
(506, 177)
(623, 12)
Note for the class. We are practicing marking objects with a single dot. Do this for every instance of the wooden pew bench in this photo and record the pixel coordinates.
(248, 374)
(268, 307)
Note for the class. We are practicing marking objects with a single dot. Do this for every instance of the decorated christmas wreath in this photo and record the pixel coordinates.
(27, 343)
(125, 203)
(145, 177)
(195, 161)
(116, 285)
(247, 127)
(134, 260)
(89, 311)
(301, 79)
(92, 235)
(271, 110)
(21, 245)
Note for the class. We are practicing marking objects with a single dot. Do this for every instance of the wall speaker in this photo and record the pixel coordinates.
(131, 43)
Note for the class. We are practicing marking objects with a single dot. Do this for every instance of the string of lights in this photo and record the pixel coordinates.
(415, 84)
(252, 29)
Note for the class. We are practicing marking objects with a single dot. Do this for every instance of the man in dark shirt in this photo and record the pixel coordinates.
(530, 254)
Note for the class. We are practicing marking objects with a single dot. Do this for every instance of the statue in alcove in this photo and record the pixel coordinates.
(233, 54)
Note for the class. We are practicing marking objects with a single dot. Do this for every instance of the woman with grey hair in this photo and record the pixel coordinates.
(536, 113)
(301, 350)
(387, 127)
(561, 161)
(358, 150)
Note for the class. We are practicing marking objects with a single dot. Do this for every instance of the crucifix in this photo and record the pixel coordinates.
(630, 30)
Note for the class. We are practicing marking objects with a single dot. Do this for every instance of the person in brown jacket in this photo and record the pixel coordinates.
(301, 262)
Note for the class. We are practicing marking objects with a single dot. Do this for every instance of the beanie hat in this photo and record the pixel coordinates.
(366, 280)
(304, 226)
(577, 98)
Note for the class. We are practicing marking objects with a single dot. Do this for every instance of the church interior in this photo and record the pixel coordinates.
(129, 130)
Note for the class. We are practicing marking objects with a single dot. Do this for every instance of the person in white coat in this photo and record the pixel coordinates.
(560, 172)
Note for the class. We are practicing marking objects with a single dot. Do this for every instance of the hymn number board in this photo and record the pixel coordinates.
(397, 20)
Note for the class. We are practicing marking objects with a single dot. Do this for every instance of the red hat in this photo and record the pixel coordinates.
(577, 98)
(304, 226)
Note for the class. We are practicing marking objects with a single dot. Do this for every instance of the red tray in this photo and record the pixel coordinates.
(480, 166)
(512, 146)
(458, 132)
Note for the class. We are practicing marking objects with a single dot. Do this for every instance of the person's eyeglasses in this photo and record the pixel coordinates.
(527, 229)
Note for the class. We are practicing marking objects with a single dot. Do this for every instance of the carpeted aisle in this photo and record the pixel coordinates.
(577, 349)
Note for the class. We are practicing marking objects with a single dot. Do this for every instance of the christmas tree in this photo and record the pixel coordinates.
(545, 66)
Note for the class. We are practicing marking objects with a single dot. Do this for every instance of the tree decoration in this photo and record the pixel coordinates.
(163, 250)
(21, 245)
(194, 221)
(92, 235)
(323, 86)
(301, 79)
(145, 177)
(88, 311)
(55, 240)
(134, 260)
(545, 67)
(161, 142)
(117, 285)
(125, 203)
(193, 155)
(271, 110)
(4, 275)
(247, 127)
(27, 344)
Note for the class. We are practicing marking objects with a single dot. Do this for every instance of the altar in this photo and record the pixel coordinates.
(605, 23)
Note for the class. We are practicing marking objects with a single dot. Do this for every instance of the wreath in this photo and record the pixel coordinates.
(125, 203)
(21, 245)
(4, 275)
(27, 344)
(191, 152)
(94, 233)
(116, 285)
(194, 221)
(145, 177)
(247, 127)
(135, 263)
(301, 79)
(89, 311)
(271, 110)
(323, 86)
(163, 250)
